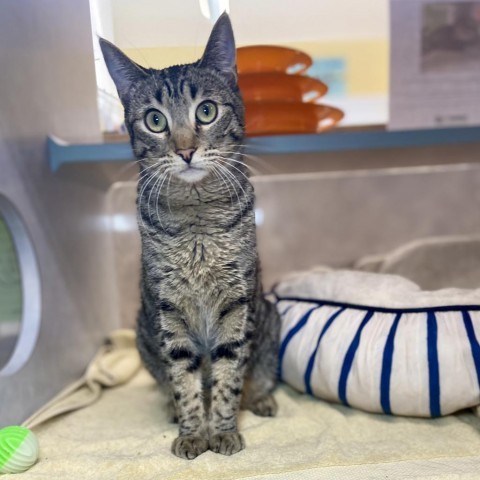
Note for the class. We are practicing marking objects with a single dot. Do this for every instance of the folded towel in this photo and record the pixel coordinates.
(125, 434)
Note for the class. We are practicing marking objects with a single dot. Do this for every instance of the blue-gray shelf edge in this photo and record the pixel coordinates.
(61, 153)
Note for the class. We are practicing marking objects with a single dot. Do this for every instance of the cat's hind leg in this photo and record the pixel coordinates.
(148, 349)
(261, 376)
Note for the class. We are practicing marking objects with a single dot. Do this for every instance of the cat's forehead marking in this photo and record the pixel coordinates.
(168, 87)
(173, 88)
(177, 91)
(193, 91)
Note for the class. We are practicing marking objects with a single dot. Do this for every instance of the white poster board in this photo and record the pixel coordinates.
(434, 63)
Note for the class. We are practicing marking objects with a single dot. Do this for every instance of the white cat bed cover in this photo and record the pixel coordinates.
(379, 343)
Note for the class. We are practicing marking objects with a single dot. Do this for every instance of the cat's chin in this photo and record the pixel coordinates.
(192, 174)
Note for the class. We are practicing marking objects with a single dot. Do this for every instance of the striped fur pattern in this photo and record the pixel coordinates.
(205, 331)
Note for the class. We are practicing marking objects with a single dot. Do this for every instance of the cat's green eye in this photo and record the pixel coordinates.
(155, 121)
(206, 112)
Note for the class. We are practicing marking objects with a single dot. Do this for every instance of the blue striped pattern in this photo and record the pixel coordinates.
(387, 366)
(347, 363)
(433, 369)
(474, 346)
(311, 360)
(434, 322)
(293, 331)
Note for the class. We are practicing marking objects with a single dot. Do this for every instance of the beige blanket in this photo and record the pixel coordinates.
(124, 434)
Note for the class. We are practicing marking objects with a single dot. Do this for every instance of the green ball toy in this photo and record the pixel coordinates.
(18, 449)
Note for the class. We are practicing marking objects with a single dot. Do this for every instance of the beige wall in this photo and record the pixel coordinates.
(151, 23)
(47, 86)
(158, 35)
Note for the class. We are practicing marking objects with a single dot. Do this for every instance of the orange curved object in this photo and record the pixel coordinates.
(267, 86)
(270, 58)
(279, 118)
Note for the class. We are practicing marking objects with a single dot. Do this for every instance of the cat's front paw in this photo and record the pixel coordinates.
(189, 446)
(227, 443)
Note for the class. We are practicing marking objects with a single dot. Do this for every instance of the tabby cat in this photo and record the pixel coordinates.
(205, 331)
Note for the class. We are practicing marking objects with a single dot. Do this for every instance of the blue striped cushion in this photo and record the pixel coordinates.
(421, 361)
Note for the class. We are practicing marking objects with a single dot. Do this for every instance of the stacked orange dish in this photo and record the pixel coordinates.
(278, 98)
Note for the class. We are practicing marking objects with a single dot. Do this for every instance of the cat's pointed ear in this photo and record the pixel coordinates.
(220, 53)
(124, 72)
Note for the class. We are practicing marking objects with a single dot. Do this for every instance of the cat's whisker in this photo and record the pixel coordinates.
(220, 176)
(224, 170)
(269, 168)
(159, 178)
(226, 160)
(235, 179)
(241, 145)
(252, 169)
(145, 183)
(168, 195)
(167, 173)
(124, 169)
(144, 187)
(146, 171)
(142, 191)
(223, 163)
(157, 161)
(222, 153)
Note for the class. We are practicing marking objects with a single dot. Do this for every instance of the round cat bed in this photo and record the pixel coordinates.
(379, 343)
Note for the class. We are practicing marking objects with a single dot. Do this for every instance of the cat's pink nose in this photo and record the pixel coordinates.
(186, 154)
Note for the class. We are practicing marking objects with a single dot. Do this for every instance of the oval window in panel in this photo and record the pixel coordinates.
(20, 304)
